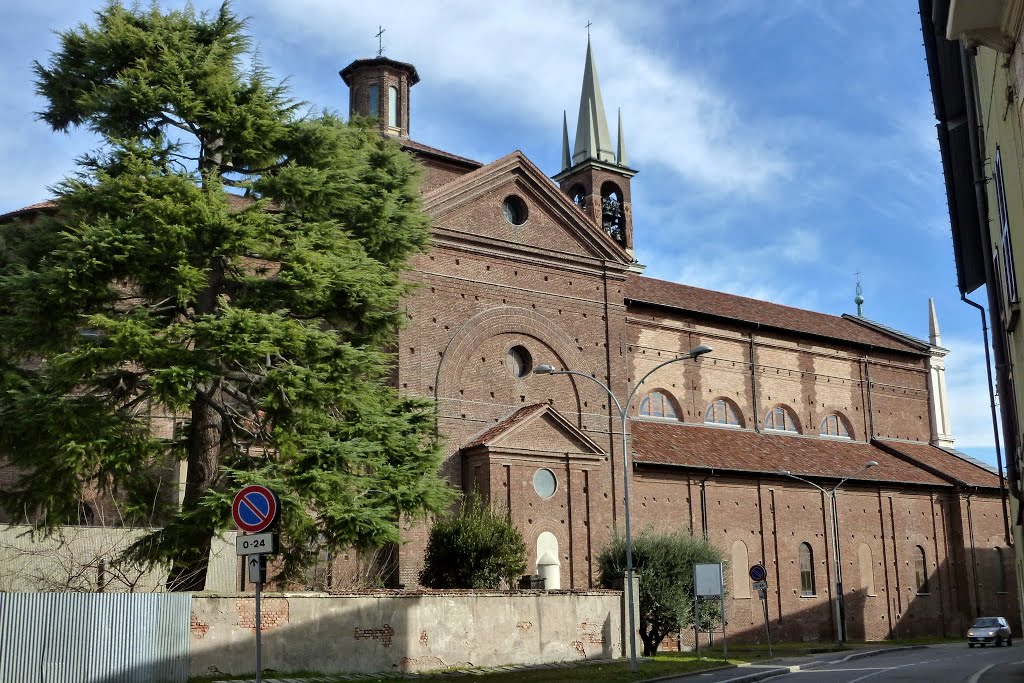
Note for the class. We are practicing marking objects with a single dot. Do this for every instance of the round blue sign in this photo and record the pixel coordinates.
(758, 573)
(255, 509)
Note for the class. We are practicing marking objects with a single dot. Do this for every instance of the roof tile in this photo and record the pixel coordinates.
(741, 450)
(740, 308)
(946, 462)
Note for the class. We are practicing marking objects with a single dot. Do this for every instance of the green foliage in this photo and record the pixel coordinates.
(476, 548)
(664, 564)
(221, 261)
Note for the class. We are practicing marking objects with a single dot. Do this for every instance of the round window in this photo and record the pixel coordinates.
(514, 210)
(518, 361)
(544, 483)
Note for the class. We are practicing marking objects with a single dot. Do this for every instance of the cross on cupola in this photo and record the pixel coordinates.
(595, 174)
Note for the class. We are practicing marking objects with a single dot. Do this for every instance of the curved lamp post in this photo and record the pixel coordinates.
(834, 520)
(623, 409)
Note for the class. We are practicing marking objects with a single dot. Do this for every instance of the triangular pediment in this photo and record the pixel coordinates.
(471, 205)
(537, 429)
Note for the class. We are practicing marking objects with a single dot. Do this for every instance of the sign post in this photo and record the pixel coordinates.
(759, 576)
(256, 509)
(708, 582)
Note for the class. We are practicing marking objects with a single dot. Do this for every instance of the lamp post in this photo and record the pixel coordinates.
(623, 409)
(830, 494)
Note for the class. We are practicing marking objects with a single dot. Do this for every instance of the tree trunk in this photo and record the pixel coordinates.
(651, 642)
(188, 572)
(205, 442)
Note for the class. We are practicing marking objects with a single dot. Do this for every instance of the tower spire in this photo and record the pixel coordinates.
(934, 337)
(592, 138)
(938, 398)
(621, 155)
(566, 160)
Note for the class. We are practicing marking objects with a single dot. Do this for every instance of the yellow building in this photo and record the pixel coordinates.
(976, 65)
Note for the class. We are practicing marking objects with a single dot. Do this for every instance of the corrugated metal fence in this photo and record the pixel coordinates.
(94, 637)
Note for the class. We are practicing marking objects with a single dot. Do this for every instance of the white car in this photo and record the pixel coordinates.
(989, 630)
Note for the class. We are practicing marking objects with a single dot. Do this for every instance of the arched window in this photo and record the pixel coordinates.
(867, 569)
(740, 565)
(722, 412)
(578, 195)
(920, 570)
(1000, 571)
(393, 106)
(806, 569)
(612, 213)
(780, 420)
(548, 565)
(657, 404)
(835, 425)
(86, 514)
(374, 100)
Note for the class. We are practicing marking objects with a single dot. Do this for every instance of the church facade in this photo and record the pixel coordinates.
(743, 445)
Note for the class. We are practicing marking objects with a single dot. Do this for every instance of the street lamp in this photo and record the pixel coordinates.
(840, 613)
(623, 409)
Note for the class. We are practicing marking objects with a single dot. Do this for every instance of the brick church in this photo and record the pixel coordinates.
(530, 270)
(740, 444)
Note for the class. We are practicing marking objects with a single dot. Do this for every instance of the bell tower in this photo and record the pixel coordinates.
(595, 176)
(378, 88)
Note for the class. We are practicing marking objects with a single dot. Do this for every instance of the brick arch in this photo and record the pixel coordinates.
(505, 320)
(832, 410)
(732, 404)
(673, 401)
(792, 414)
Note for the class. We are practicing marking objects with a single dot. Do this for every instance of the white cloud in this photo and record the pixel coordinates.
(969, 401)
(524, 60)
(756, 271)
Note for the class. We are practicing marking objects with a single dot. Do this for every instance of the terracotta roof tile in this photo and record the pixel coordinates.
(31, 208)
(946, 462)
(434, 151)
(237, 202)
(740, 450)
(763, 313)
(503, 426)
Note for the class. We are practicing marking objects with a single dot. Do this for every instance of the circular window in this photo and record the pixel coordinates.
(518, 361)
(544, 483)
(514, 210)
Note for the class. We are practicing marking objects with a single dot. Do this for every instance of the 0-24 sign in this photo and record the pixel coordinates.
(256, 544)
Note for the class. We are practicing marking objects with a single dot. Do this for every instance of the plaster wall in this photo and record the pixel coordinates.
(403, 632)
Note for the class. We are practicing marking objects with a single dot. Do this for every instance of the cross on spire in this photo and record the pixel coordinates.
(588, 28)
(380, 44)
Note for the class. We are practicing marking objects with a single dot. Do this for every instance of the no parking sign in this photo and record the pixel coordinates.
(255, 509)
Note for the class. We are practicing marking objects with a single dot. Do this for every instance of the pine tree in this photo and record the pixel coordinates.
(226, 258)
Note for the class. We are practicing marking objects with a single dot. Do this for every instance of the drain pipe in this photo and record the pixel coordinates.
(995, 422)
(704, 507)
(974, 556)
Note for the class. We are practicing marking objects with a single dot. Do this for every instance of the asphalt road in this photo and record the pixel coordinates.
(948, 663)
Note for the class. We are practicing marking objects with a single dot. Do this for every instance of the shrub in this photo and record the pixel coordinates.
(476, 548)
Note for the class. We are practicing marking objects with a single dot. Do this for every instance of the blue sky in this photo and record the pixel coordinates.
(782, 146)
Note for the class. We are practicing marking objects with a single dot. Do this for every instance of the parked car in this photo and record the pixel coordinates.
(987, 630)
